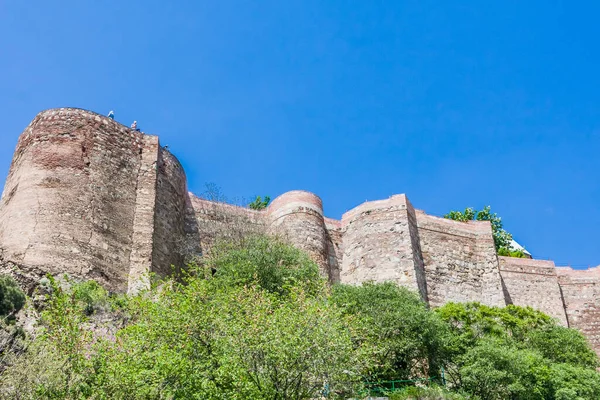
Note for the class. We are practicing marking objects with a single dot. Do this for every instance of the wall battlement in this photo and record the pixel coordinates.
(90, 197)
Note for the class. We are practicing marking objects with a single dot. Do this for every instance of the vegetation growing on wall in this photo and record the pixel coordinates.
(502, 238)
(255, 321)
(259, 203)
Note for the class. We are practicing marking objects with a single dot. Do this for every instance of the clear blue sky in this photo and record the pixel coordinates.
(455, 105)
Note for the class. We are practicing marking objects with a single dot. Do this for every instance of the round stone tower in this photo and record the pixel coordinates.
(70, 197)
(298, 215)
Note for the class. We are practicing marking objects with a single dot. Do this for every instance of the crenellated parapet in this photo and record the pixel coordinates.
(90, 197)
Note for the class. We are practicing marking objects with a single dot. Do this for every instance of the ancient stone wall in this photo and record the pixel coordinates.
(581, 295)
(335, 249)
(142, 246)
(460, 261)
(298, 215)
(379, 244)
(169, 216)
(70, 196)
(208, 221)
(92, 198)
(533, 283)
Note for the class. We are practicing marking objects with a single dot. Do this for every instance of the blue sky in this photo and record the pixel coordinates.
(454, 105)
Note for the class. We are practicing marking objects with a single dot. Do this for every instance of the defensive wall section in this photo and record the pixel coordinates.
(581, 297)
(94, 199)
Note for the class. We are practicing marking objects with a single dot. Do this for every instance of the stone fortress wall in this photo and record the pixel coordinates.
(89, 197)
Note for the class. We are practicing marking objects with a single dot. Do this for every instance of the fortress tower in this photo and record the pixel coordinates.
(90, 197)
(81, 195)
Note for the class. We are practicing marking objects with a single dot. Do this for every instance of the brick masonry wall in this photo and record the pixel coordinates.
(90, 197)
(298, 216)
(581, 296)
(533, 283)
(140, 260)
(69, 199)
(335, 249)
(460, 261)
(208, 221)
(378, 244)
(169, 216)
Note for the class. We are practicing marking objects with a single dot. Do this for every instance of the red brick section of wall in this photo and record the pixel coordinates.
(533, 283)
(378, 244)
(69, 199)
(298, 215)
(460, 261)
(581, 296)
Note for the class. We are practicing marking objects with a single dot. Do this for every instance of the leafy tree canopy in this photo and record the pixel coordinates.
(12, 298)
(502, 238)
(259, 203)
(256, 321)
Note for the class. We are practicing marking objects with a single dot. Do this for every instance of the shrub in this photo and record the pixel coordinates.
(405, 339)
(502, 238)
(259, 203)
(12, 298)
(269, 262)
(425, 393)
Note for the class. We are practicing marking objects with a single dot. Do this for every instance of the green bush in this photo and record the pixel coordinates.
(259, 203)
(425, 393)
(12, 298)
(502, 238)
(268, 262)
(263, 325)
(405, 338)
(91, 296)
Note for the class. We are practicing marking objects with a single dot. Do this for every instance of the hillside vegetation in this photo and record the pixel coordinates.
(254, 320)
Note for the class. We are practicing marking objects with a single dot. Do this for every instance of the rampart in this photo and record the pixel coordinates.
(533, 283)
(90, 197)
(581, 297)
(460, 261)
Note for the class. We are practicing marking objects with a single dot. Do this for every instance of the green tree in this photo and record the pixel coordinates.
(502, 238)
(259, 203)
(249, 333)
(12, 298)
(266, 261)
(202, 340)
(517, 353)
(404, 338)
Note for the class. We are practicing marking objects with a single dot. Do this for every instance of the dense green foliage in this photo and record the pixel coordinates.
(517, 353)
(255, 321)
(259, 203)
(503, 251)
(405, 339)
(502, 238)
(12, 298)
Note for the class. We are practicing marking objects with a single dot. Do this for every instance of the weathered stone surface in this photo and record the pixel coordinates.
(298, 215)
(94, 199)
(532, 283)
(460, 261)
(380, 244)
(581, 296)
(69, 200)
